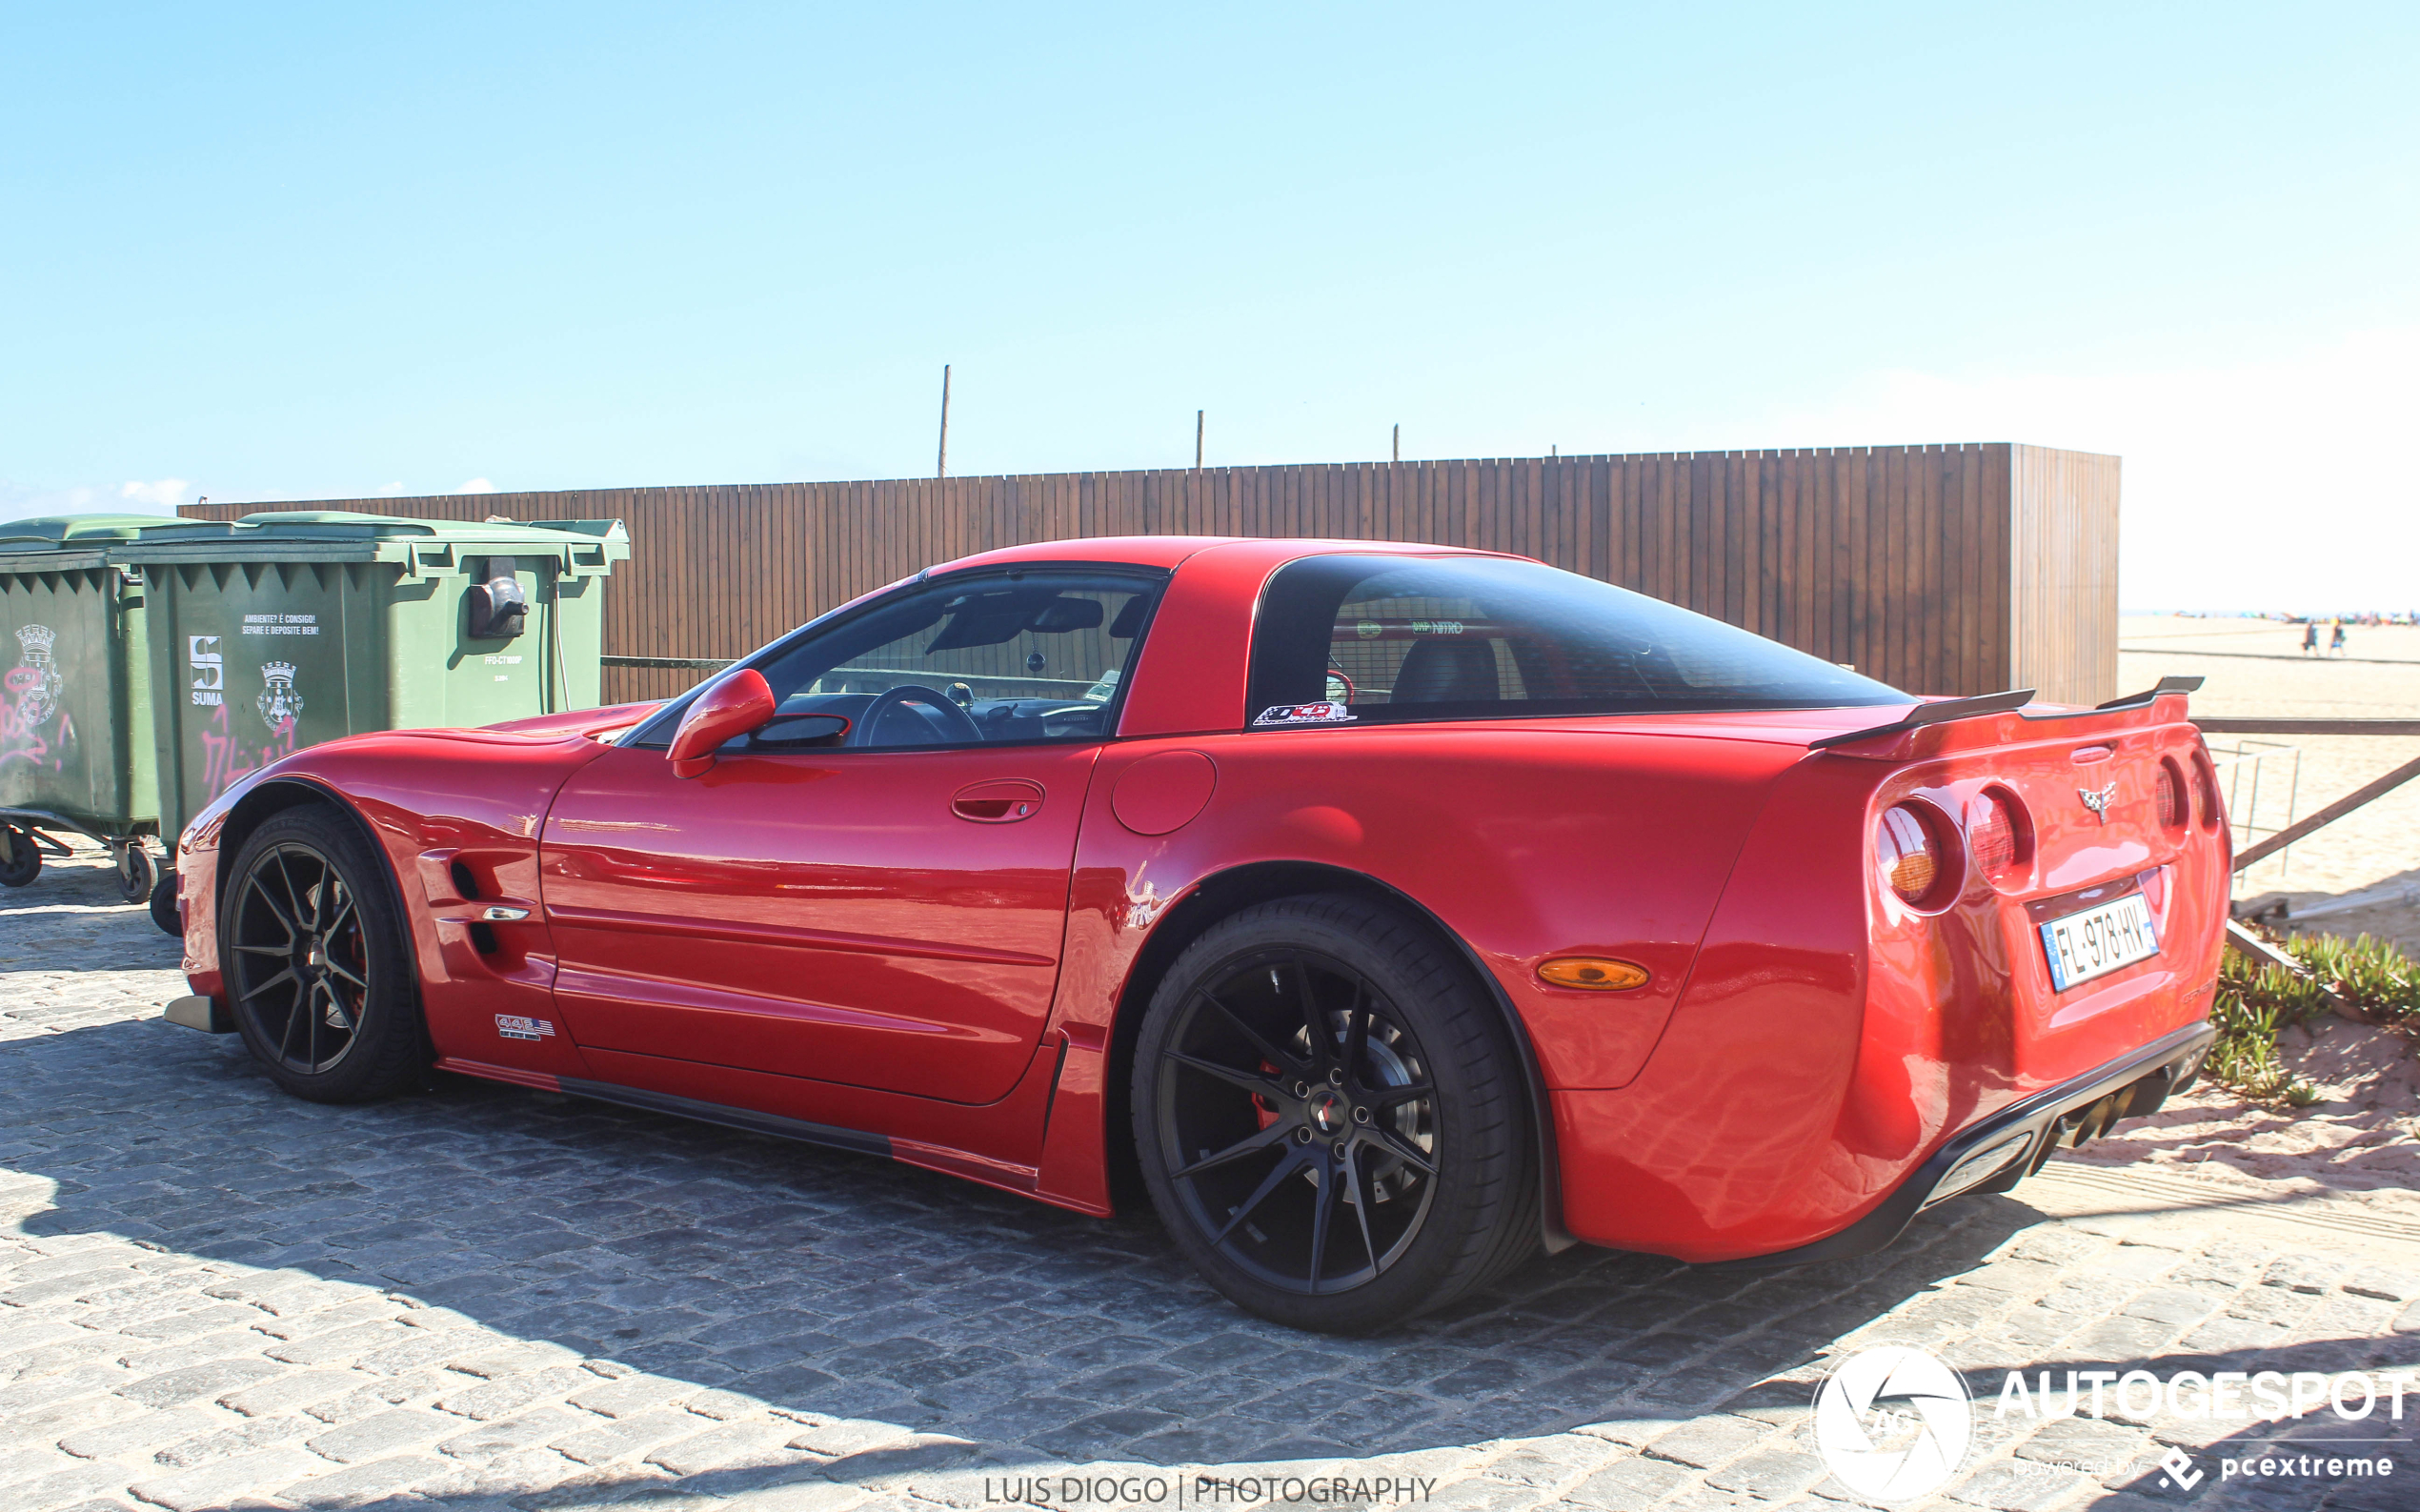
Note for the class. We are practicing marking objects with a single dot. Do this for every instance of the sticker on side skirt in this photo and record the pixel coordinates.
(512, 1026)
(1285, 714)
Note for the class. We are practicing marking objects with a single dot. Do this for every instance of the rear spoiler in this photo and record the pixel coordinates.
(1943, 711)
(2145, 699)
(1939, 711)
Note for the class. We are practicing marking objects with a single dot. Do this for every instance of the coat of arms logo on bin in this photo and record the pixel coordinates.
(36, 681)
(280, 705)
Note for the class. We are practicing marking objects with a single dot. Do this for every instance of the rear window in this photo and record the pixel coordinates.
(1390, 639)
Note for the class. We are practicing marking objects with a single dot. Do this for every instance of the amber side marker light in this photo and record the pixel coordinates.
(1594, 973)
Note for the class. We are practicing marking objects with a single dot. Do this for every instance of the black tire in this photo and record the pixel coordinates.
(319, 974)
(164, 912)
(137, 874)
(24, 861)
(1413, 1099)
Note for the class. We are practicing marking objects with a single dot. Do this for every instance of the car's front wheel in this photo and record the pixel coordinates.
(1332, 1119)
(317, 971)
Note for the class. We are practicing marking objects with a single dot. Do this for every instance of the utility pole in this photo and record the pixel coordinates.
(1196, 440)
(1399, 441)
(941, 460)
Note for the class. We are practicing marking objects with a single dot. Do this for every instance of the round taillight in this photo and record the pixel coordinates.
(1913, 854)
(2205, 779)
(2175, 808)
(1996, 835)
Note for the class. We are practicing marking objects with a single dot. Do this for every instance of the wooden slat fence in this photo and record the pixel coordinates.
(1940, 568)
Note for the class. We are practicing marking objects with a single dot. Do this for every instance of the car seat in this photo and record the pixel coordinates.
(1447, 671)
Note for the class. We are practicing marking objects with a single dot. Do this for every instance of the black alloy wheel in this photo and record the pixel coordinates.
(301, 963)
(1305, 1120)
(1332, 1121)
(315, 968)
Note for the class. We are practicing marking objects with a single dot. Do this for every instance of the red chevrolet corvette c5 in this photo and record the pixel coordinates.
(1386, 912)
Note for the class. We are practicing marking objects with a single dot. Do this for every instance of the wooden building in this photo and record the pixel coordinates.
(1937, 569)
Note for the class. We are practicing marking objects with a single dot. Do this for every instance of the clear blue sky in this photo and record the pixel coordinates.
(321, 251)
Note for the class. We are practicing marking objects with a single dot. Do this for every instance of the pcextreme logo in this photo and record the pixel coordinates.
(1893, 1422)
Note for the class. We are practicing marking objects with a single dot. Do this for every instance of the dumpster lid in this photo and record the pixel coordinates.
(346, 535)
(348, 525)
(78, 530)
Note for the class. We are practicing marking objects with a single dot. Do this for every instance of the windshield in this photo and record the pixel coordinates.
(995, 658)
(1389, 639)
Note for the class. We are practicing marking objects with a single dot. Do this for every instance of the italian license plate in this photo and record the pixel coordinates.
(2098, 940)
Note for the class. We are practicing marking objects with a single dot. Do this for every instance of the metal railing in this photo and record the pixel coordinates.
(2243, 768)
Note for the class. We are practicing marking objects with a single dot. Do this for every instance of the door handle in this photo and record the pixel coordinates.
(1000, 801)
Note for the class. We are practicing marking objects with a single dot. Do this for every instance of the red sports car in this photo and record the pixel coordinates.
(1386, 912)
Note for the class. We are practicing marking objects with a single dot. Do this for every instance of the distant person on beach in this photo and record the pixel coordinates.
(2311, 636)
(2336, 642)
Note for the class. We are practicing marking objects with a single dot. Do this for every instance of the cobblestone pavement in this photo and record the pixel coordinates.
(216, 1296)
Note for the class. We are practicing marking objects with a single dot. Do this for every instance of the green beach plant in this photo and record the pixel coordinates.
(2257, 1003)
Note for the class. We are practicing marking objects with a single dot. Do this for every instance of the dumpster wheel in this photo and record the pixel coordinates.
(137, 874)
(24, 861)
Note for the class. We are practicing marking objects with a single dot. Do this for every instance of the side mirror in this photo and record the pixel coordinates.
(734, 706)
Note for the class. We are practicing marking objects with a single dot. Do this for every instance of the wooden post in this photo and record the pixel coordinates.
(2282, 726)
(1196, 440)
(2260, 953)
(941, 459)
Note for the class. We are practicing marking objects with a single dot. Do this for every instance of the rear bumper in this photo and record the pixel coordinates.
(1993, 1153)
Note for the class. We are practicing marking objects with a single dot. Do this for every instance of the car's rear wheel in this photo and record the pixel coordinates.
(1332, 1119)
(318, 974)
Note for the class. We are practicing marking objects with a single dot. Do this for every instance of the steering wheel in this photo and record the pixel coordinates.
(963, 725)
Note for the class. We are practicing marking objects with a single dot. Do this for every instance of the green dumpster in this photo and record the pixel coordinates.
(76, 747)
(280, 631)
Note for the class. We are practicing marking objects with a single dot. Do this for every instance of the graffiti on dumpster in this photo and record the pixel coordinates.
(225, 759)
(280, 705)
(34, 687)
(226, 756)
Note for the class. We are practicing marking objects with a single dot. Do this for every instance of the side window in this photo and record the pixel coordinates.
(1353, 639)
(997, 659)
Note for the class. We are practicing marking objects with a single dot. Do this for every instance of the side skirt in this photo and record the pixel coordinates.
(746, 1120)
(729, 1118)
(1006, 1175)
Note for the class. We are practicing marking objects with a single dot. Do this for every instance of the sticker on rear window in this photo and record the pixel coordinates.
(1325, 713)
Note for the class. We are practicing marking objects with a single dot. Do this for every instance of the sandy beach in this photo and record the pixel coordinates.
(2360, 1141)
(2256, 667)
